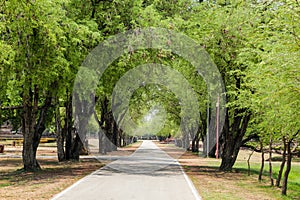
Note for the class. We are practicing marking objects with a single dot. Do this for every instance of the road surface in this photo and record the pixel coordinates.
(148, 174)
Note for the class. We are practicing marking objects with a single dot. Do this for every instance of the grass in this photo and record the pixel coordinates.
(238, 185)
(214, 184)
(54, 177)
(204, 173)
(293, 180)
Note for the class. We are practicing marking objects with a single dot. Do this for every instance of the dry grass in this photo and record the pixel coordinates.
(54, 177)
(214, 184)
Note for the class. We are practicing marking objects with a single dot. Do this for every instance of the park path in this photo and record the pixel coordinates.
(148, 174)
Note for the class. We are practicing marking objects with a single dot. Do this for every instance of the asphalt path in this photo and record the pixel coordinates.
(147, 174)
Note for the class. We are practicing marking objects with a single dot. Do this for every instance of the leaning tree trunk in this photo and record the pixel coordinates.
(282, 163)
(288, 168)
(248, 162)
(232, 138)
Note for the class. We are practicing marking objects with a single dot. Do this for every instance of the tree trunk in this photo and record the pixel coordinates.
(229, 157)
(68, 126)
(194, 145)
(248, 162)
(105, 126)
(270, 162)
(232, 138)
(115, 135)
(195, 142)
(44, 117)
(33, 128)
(288, 168)
(120, 136)
(30, 108)
(282, 162)
(185, 141)
(76, 147)
(102, 143)
(262, 161)
(84, 110)
(59, 134)
(124, 140)
(101, 134)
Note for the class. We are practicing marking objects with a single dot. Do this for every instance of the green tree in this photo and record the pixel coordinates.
(40, 34)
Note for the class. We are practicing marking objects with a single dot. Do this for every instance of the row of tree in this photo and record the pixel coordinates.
(255, 45)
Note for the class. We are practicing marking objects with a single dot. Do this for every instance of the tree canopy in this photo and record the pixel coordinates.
(255, 45)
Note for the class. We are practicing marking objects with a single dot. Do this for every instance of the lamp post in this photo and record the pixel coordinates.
(217, 126)
(207, 130)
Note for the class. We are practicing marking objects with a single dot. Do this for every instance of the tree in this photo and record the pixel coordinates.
(37, 32)
(274, 80)
(33, 37)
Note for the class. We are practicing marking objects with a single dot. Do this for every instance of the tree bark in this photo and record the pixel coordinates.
(30, 106)
(195, 142)
(101, 143)
(76, 147)
(33, 127)
(282, 162)
(59, 134)
(68, 126)
(83, 112)
(288, 168)
(115, 135)
(248, 162)
(44, 117)
(194, 148)
(232, 138)
(270, 162)
(103, 126)
(262, 161)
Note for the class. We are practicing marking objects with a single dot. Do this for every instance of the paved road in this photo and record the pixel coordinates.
(148, 174)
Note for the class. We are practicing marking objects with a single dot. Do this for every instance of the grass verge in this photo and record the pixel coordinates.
(214, 184)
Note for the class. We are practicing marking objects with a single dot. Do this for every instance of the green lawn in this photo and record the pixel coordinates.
(242, 184)
(293, 181)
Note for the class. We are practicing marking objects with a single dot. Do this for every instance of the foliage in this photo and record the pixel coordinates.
(255, 45)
